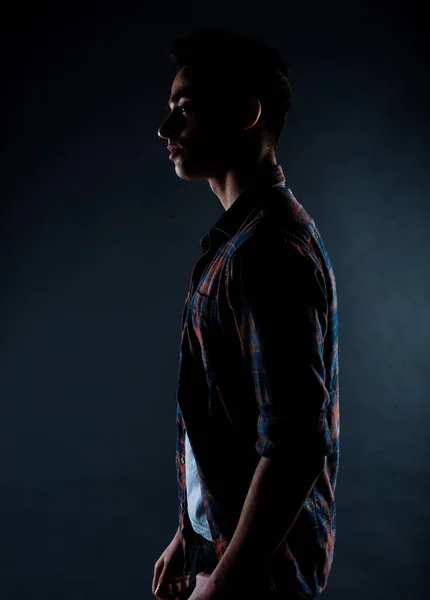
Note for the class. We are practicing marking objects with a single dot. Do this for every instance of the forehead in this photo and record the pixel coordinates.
(189, 84)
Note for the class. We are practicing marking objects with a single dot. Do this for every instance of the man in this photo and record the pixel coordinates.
(257, 442)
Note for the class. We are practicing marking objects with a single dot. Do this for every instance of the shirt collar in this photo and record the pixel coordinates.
(266, 176)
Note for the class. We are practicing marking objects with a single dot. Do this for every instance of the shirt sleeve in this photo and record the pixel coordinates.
(277, 293)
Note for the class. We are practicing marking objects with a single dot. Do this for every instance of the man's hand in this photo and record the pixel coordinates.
(175, 588)
(169, 583)
(205, 589)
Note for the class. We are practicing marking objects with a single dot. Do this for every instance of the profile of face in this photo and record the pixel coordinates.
(205, 125)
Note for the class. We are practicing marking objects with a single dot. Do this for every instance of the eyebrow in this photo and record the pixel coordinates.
(187, 91)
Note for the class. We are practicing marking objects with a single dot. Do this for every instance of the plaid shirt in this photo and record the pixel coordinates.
(258, 373)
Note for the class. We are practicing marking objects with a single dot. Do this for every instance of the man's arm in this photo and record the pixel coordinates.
(280, 311)
(268, 514)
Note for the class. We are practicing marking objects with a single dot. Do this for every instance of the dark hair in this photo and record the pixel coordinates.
(246, 64)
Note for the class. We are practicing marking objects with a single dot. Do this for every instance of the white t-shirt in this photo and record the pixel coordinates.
(196, 509)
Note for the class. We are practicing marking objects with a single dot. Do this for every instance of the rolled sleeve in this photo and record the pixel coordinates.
(277, 294)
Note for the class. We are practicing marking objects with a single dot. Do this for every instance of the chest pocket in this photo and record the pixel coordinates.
(203, 305)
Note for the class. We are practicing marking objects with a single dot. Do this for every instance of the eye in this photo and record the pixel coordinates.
(185, 107)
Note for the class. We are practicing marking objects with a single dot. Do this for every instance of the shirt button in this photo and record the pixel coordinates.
(182, 459)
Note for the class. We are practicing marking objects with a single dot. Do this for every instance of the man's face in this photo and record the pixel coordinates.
(202, 124)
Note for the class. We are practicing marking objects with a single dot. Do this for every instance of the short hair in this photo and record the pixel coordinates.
(246, 64)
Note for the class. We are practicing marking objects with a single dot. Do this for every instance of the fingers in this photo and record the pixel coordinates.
(155, 580)
(180, 584)
(172, 588)
(162, 592)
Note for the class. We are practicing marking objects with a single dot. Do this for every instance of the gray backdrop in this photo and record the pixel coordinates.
(99, 239)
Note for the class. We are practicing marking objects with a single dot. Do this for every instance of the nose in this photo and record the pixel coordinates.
(164, 131)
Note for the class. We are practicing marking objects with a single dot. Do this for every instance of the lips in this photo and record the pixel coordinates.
(173, 151)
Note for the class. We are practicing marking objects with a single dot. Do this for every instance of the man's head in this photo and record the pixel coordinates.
(228, 101)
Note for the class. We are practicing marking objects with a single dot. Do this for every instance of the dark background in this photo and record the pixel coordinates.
(99, 237)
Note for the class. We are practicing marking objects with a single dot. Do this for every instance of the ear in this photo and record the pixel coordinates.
(252, 112)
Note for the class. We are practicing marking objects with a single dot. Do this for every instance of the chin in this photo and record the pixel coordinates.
(192, 172)
(189, 176)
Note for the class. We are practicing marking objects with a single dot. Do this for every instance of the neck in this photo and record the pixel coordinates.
(230, 183)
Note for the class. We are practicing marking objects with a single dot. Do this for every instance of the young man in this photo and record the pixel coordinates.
(257, 443)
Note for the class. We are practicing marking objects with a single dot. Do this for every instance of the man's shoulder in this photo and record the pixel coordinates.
(278, 226)
(281, 238)
(278, 215)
